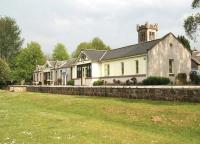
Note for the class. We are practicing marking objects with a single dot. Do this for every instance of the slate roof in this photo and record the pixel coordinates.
(137, 49)
(94, 55)
(196, 56)
(68, 63)
(131, 50)
(52, 63)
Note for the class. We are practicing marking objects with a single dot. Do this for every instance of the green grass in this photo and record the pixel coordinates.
(35, 118)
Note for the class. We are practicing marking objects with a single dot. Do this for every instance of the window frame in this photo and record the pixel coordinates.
(137, 66)
(171, 65)
(122, 68)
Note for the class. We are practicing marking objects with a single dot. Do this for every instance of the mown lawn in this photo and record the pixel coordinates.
(35, 118)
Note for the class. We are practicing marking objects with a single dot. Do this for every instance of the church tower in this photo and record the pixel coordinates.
(147, 32)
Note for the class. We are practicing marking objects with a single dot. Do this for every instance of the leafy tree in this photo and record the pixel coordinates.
(96, 43)
(185, 42)
(192, 23)
(81, 46)
(4, 71)
(195, 4)
(60, 52)
(27, 60)
(10, 40)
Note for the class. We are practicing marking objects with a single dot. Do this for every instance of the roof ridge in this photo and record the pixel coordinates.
(134, 44)
(94, 50)
(103, 55)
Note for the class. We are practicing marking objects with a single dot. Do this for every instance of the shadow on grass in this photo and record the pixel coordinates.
(143, 101)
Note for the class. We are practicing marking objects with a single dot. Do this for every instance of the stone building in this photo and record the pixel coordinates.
(151, 56)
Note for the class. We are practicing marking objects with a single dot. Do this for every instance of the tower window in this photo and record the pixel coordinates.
(151, 35)
(142, 37)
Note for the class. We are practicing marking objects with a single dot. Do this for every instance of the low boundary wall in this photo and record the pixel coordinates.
(169, 93)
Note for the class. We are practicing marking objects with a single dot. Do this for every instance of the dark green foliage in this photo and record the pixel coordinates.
(181, 78)
(26, 62)
(156, 81)
(70, 82)
(10, 40)
(192, 23)
(195, 78)
(60, 52)
(4, 72)
(196, 4)
(98, 83)
(132, 81)
(185, 42)
(96, 43)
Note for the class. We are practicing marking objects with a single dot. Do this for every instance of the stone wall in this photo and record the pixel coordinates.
(170, 93)
(18, 88)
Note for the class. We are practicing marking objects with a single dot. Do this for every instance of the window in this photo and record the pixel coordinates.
(151, 35)
(122, 68)
(142, 37)
(84, 69)
(83, 57)
(79, 71)
(107, 69)
(171, 63)
(60, 73)
(89, 70)
(137, 66)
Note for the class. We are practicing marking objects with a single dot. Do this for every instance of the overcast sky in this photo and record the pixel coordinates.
(73, 21)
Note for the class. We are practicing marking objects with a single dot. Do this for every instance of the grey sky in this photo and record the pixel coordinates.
(73, 21)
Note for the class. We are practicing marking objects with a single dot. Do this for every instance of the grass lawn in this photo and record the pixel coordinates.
(35, 118)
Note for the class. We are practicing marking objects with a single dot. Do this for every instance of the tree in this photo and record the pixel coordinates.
(27, 60)
(185, 42)
(60, 52)
(81, 46)
(4, 71)
(96, 44)
(192, 23)
(10, 40)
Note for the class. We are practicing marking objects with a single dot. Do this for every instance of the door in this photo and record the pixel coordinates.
(84, 73)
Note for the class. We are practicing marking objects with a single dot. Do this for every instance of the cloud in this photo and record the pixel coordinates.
(114, 21)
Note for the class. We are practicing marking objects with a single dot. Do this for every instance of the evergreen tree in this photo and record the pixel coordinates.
(10, 40)
(4, 72)
(185, 42)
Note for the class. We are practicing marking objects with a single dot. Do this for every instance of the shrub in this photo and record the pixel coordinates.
(156, 81)
(98, 83)
(181, 78)
(116, 82)
(70, 82)
(132, 81)
(195, 78)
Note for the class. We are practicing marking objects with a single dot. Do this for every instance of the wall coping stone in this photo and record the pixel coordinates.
(135, 87)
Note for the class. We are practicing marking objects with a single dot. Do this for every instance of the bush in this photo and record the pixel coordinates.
(98, 83)
(116, 82)
(195, 78)
(70, 82)
(181, 78)
(156, 81)
(132, 81)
